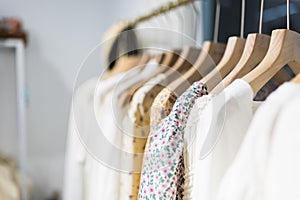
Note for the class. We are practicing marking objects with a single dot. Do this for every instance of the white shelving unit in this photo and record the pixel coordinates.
(19, 46)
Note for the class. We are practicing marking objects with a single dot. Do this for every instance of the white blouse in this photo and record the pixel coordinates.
(216, 137)
(282, 173)
(246, 177)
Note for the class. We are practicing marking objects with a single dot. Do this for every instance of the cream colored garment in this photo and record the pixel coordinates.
(105, 173)
(83, 173)
(223, 119)
(125, 130)
(9, 184)
(246, 177)
(282, 173)
(136, 105)
(191, 147)
(95, 117)
(79, 165)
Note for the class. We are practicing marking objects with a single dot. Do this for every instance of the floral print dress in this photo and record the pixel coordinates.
(160, 109)
(163, 168)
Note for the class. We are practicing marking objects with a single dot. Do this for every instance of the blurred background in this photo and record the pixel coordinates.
(60, 35)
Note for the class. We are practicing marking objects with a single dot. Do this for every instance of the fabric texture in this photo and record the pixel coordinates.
(9, 179)
(163, 168)
(90, 174)
(131, 153)
(75, 152)
(282, 171)
(161, 107)
(143, 98)
(192, 148)
(139, 115)
(216, 136)
(246, 177)
(81, 175)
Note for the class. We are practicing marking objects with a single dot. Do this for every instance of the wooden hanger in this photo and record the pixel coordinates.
(171, 57)
(145, 58)
(127, 95)
(165, 60)
(123, 64)
(232, 55)
(183, 64)
(160, 57)
(296, 79)
(171, 72)
(284, 49)
(211, 53)
(256, 47)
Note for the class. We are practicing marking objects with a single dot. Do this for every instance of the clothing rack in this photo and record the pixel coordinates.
(161, 10)
(18, 44)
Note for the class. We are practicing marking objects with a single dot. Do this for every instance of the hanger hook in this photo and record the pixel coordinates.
(243, 19)
(288, 14)
(261, 16)
(217, 21)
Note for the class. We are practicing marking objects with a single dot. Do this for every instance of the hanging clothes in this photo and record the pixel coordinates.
(191, 147)
(130, 157)
(246, 177)
(143, 98)
(217, 135)
(81, 179)
(163, 168)
(90, 119)
(139, 115)
(283, 164)
(108, 115)
(161, 107)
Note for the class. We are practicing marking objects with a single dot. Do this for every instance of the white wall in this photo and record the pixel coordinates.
(61, 34)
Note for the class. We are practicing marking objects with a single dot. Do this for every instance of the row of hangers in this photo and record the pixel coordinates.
(256, 59)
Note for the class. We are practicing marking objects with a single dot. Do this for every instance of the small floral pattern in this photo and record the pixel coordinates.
(163, 168)
(139, 113)
(160, 109)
